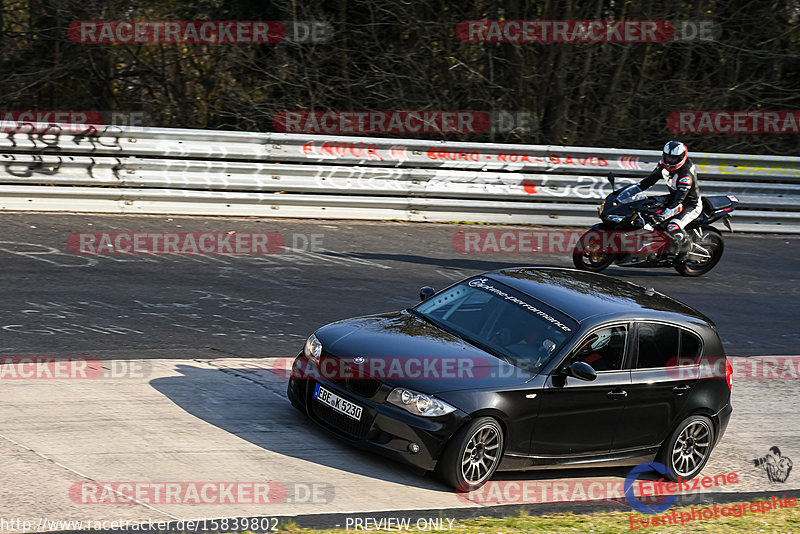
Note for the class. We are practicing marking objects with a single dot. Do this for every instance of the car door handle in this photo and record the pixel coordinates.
(617, 394)
(681, 389)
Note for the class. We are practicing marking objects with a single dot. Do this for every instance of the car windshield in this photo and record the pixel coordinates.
(497, 318)
(630, 194)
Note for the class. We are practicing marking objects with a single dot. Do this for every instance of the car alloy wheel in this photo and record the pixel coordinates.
(472, 455)
(689, 447)
(480, 454)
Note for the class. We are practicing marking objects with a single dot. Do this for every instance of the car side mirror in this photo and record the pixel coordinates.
(581, 371)
(426, 292)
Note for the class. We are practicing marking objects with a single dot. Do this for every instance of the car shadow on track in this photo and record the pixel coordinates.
(258, 411)
(252, 405)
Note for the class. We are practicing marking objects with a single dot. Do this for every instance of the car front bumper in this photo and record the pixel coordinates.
(383, 428)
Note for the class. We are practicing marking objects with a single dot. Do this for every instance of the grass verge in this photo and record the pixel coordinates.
(779, 520)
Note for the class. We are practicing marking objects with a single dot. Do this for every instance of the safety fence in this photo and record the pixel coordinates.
(201, 172)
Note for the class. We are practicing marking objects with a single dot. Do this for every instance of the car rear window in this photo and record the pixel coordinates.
(661, 345)
(690, 347)
(658, 345)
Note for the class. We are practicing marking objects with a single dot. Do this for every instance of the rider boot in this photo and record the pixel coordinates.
(680, 244)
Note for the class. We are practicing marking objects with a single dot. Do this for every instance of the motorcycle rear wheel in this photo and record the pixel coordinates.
(711, 240)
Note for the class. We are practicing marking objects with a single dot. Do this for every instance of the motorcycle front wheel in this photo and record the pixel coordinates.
(588, 255)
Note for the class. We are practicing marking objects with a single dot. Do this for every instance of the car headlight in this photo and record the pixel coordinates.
(615, 218)
(313, 348)
(419, 403)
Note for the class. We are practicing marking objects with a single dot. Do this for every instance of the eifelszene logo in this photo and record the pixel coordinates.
(630, 496)
(662, 493)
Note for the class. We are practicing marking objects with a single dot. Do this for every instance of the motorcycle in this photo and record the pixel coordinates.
(629, 216)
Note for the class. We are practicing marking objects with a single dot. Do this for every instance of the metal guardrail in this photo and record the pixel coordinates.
(178, 171)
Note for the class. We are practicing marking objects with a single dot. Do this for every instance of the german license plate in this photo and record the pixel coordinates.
(338, 403)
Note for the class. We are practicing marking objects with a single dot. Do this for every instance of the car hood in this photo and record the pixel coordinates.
(408, 351)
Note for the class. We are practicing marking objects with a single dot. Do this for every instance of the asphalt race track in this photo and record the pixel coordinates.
(144, 306)
(189, 344)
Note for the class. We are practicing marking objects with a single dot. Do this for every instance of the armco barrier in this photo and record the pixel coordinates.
(177, 171)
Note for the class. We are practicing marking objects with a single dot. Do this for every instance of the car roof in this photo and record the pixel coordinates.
(583, 295)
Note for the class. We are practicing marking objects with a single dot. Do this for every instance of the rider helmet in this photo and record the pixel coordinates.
(675, 154)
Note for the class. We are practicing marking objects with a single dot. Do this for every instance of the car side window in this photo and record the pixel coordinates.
(658, 345)
(604, 349)
(691, 347)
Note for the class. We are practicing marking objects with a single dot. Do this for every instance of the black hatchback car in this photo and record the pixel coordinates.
(523, 368)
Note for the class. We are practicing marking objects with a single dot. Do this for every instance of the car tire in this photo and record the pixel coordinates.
(472, 455)
(294, 401)
(688, 448)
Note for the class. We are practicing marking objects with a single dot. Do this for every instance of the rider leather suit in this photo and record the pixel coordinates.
(683, 205)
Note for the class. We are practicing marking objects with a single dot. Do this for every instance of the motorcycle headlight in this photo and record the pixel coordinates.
(313, 348)
(419, 403)
(615, 218)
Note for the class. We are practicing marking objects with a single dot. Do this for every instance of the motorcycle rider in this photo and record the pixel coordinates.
(683, 205)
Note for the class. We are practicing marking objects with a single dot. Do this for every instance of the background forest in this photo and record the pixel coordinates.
(405, 55)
